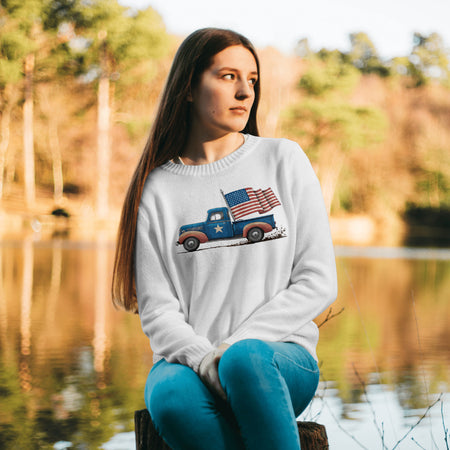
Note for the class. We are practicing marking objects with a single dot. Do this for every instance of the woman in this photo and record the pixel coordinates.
(227, 303)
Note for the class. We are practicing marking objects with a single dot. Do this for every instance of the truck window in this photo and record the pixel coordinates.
(216, 216)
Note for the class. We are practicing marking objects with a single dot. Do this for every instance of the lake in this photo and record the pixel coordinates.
(73, 369)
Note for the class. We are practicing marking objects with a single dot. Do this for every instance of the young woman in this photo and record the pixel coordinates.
(224, 249)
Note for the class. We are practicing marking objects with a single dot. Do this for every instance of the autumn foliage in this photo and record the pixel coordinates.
(376, 131)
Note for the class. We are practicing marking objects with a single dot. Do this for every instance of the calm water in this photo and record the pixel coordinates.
(72, 369)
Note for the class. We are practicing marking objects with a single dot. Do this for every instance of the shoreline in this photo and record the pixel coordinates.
(352, 230)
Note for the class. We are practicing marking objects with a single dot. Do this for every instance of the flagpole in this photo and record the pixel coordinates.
(228, 206)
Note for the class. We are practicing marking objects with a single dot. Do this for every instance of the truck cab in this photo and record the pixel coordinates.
(218, 224)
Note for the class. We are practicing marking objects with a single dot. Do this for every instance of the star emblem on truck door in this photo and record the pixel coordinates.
(218, 229)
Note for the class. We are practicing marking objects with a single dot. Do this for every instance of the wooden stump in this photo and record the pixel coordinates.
(313, 436)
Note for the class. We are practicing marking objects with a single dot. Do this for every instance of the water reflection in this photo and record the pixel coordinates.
(73, 369)
(25, 316)
(101, 293)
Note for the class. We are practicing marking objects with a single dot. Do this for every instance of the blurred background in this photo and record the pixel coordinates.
(364, 88)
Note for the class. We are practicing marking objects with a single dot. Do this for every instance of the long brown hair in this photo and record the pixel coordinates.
(167, 138)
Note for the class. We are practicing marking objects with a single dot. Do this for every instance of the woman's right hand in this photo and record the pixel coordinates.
(208, 371)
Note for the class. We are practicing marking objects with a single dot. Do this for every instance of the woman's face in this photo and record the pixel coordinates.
(225, 93)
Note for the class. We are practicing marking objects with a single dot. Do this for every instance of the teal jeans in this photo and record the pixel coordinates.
(268, 384)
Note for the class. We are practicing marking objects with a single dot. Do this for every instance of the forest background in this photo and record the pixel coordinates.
(80, 81)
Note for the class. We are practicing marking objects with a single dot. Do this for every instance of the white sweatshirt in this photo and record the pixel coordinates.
(208, 284)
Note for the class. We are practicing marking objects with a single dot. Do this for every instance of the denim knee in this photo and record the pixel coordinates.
(242, 362)
(165, 402)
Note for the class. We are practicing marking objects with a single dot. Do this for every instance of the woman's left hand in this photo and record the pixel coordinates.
(208, 371)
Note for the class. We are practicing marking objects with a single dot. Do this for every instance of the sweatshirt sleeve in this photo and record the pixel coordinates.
(159, 309)
(313, 282)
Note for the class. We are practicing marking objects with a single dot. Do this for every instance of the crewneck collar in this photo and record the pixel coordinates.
(214, 167)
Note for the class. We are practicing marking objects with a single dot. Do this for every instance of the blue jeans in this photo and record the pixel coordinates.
(268, 384)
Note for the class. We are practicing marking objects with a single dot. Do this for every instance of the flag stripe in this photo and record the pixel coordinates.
(271, 198)
(247, 201)
(248, 207)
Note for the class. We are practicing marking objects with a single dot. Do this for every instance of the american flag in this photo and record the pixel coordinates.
(247, 201)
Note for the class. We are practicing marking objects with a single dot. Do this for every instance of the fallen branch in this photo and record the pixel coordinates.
(422, 360)
(342, 428)
(443, 424)
(377, 370)
(320, 397)
(417, 423)
(381, 433)
(418, 445)
(330, 315)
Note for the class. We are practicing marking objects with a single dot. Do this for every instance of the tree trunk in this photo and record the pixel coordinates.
(55, 149)
(3, 307)
(103, 144)
(4, 142)
(28, 148)
(10, 170)
(49, 108)
(313, 436)
(331, 161)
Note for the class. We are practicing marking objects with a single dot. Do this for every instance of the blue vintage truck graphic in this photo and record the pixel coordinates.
(218, 225)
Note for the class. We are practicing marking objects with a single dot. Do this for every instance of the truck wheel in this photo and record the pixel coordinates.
(255, 234)
(191, 244)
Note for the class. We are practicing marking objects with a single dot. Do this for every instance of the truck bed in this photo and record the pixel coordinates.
(239, 225)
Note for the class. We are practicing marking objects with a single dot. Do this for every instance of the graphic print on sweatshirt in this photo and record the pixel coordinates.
(230, 225)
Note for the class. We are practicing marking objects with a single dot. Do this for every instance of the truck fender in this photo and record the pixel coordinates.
(197, 234)
(263, 225)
